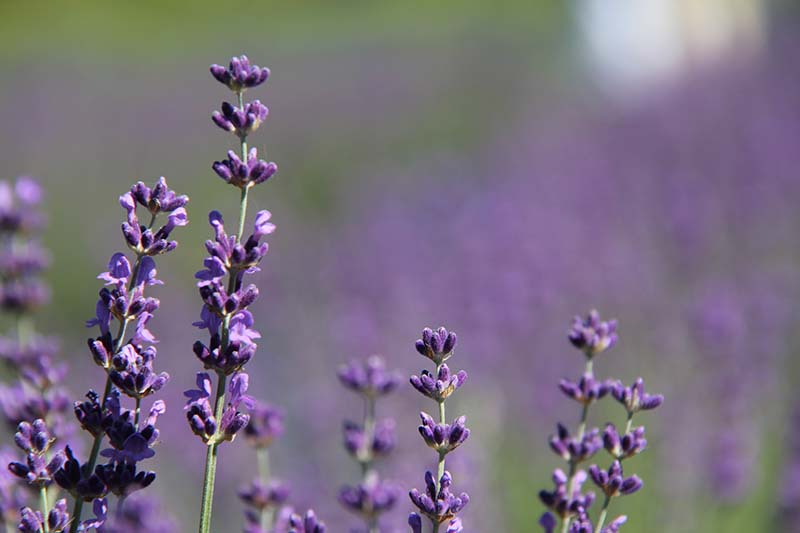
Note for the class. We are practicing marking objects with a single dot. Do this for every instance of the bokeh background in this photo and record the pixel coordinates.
(496, 167)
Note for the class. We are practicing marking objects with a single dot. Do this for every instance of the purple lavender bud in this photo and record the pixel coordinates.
(415, 521)
(370, 498)
(30, 521)
(437, 346)
(266, 424)
(369, 378)
(58, 518)
(592, 335)
(262, 496)
(244, 174)
(159, 199)
(444, 438)
(439, 387)
(612, 482)
(628, 445)
(306, 524)
(548, 522)
(241, 122)
(442, 506)
(634, 398)
(574, 449)
(587, 390)
(240, 75)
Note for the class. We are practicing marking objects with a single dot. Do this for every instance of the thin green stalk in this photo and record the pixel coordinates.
(267, 515)
(603, 513)
(137, 412)
(366, 456)
(45, 507)
(441, 466)
(211, 459)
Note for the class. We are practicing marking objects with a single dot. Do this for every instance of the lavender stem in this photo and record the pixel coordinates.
(268, 514)
(45, 506)
(211, 460)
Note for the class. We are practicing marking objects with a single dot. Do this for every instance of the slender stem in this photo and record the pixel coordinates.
(367, 458)
(45, 507)
(24, 329)
(603, 513)
(211, 459)
(441, 465)
(268, 514)
(242, 212)
(629, 424)
(137, 413)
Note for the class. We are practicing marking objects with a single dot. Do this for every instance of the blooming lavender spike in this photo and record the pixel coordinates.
(221, 285)
(437, 503)
(566, 502)
(368, 441)
(308, 523)
(125, 350)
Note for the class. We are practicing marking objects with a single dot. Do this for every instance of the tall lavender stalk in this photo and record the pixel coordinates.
(35, 396)
(368, 441)
(225, 299)
(438, 503)
(567, 502)
(127, 357)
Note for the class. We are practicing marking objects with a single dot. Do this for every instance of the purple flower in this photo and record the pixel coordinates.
(263, 496)
(266, 424)
(612, 482)
(369, 378)
(593, 335)
(240, 74)
(244, 174)
(562, 502)
(436, 345)
(438, 505)
(309, 523)
(625, 446)
(444, 438)
(369, 498)
(440, 386)
(634, 398)
(132, 371)
(586, 390)
(574, 449)
(159, 199)
(241, 121)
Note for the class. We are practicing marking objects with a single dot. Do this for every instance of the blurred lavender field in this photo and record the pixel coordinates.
(495, 169)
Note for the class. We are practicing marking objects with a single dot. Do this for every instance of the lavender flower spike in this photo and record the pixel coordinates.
(438, 504)
(567, 503)
(225, 297)
(125, 350)
(368, 441)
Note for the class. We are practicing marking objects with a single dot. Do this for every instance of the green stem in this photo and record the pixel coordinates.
(268, 514)
(242, 212)
(603, 513)
(45, 507)
(441, 465)
(137, 413)
(367, 458)
(211, 459)
(629, 424)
